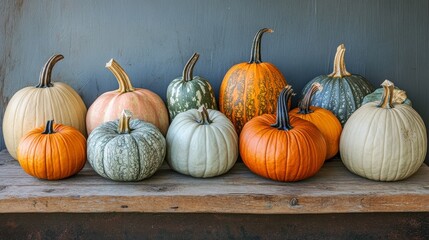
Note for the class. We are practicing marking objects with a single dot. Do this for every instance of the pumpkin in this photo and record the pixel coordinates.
(324, 120)
(291, 149)
(31, 107)
(202, 143)
(188, 92)
(53, 152)
(144, 104)
(399, 96)
(250, 89)
(342, 91)
(384, 141)
(126, 150)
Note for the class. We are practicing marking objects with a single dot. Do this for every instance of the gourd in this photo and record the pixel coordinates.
(31, 107)
(342, 91)
(250, 89)
(126, 150)
(325, 120)
(188, 92)
(384, 141)
(399, 96)
(144, 104)
(52, 152)
(289, 150)
(202, 143)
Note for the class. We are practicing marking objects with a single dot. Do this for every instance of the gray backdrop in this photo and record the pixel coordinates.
(153, 39)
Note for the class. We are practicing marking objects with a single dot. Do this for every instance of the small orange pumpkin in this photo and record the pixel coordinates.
(325, 120)
(52, 152)
(250, 89)
(289, 150)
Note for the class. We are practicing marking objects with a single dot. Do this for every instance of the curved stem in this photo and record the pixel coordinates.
(255, 55)
(205, 120)
(387, 98)
(282, 120)
(124, 122)
(339, 65)
(122, 77)
(304, 104)
(45, 74)
(189, 68)
(49, 129)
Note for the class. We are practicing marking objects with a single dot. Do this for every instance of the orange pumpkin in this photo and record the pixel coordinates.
(288, 150)
(324, 120)
(52, 152)
(250, 89)
(144, 104)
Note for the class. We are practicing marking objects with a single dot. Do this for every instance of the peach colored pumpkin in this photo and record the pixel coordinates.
(144, 104)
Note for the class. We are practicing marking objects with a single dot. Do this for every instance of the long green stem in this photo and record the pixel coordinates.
(282, 120)
(189, 67)
(255, 55)
(45, 74)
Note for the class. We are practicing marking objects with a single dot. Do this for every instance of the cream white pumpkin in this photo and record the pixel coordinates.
(384, 141)
(32, 107)
(202, 143)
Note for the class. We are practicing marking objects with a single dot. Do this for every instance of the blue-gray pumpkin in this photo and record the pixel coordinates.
(189, 92)
(124, 150)
(399, 96)
(342, 91)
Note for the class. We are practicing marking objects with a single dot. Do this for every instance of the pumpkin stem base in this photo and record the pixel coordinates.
(49, 129)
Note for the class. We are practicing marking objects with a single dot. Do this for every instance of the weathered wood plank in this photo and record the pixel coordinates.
(332, 190)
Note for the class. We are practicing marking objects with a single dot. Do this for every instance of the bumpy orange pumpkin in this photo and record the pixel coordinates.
(289, 150)
(250, 89)
(325, 120)
(52, 152)
(144, 104)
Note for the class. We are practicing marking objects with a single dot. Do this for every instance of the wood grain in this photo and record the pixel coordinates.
(332, 190)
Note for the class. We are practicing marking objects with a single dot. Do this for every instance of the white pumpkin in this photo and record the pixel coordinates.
(384, 141)
(32, 107)
(202, 143)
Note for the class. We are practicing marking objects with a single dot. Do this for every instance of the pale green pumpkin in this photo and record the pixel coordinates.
(202, 143)
(125, 150)
(384, 141)
(189, 92)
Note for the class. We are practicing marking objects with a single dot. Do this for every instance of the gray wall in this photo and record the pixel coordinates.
(153, 39)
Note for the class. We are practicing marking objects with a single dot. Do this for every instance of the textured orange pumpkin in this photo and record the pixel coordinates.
(289, 150)
(52, 152)
(325, 120)
(250, 89)
(144, 104)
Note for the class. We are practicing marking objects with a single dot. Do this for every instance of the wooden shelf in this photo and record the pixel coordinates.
(332, 190)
